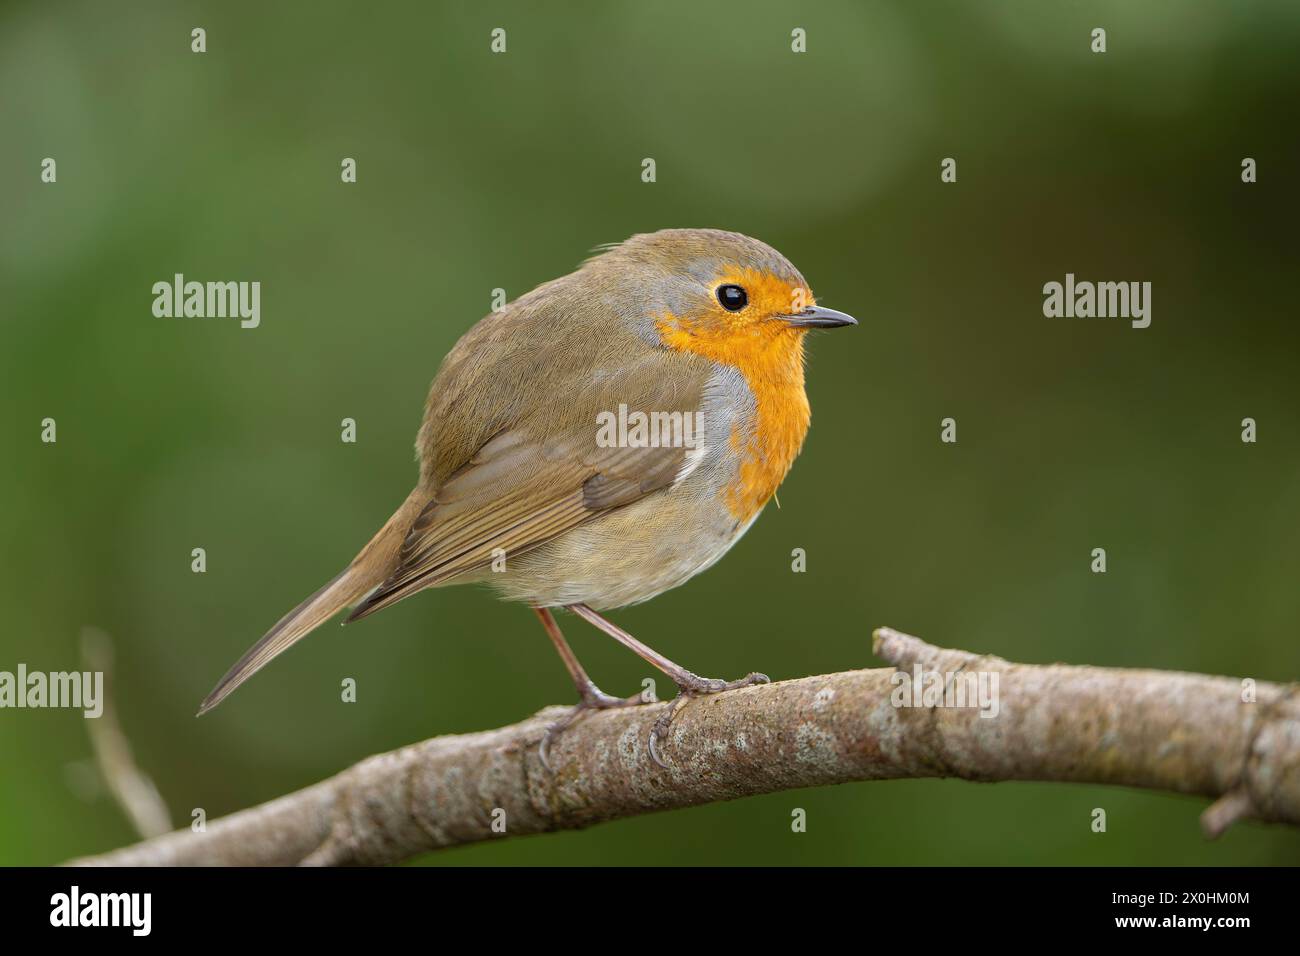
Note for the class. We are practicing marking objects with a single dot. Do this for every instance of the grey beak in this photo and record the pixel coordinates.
(815, 317)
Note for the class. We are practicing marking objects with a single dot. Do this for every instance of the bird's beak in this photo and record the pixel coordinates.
(815, 317)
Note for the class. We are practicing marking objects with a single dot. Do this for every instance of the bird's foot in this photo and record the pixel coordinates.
(592, 698)
(688, 686)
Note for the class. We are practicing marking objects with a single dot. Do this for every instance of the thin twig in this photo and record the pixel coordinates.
(130, 786)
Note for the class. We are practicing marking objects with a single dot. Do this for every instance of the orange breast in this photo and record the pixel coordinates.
(770, 357)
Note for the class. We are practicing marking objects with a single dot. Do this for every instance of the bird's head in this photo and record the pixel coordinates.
(718, 294)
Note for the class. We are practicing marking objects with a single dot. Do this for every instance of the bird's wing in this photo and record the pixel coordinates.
(535, 480)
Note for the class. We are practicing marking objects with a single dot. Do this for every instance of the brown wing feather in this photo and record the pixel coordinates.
(515, 496)
(459, 536)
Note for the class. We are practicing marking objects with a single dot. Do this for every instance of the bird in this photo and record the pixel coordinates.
(594, 443)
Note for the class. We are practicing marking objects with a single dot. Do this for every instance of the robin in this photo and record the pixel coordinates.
(600, 440)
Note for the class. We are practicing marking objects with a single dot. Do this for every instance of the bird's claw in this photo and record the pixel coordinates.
(593, 698)
(693, 686)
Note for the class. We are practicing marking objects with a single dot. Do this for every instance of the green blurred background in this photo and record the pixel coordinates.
(479, 170)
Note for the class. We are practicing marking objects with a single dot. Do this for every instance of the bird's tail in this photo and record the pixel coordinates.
(367, 570)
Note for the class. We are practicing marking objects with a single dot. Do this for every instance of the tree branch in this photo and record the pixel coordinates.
(1185, 733)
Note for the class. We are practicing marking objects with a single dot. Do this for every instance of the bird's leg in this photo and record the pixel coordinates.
(688, 684)
(590, 697)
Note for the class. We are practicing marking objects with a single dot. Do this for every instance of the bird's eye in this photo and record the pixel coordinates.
(732, 297)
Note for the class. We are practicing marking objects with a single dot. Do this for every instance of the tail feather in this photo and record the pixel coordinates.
(290, 629)
(366, 572)
(380, 598)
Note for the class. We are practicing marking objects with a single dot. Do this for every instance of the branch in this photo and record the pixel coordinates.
(1185, 733)
(130, 786)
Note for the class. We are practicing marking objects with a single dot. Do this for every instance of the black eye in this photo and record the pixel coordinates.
(732, 297)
